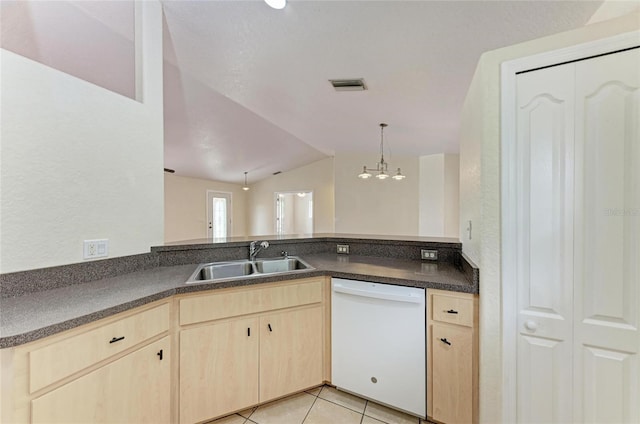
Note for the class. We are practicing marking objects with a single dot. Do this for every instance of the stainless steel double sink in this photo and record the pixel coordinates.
(247, 269)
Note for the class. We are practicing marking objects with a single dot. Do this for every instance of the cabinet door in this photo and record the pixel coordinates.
(218, 369)
(452, 373)
(132, 389)
(290, 352)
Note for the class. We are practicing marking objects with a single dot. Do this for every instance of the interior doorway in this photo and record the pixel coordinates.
(294, 212)
(218, 214)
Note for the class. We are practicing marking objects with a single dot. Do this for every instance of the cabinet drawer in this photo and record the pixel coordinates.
(453, 309)
(249, 301)
(66, 356)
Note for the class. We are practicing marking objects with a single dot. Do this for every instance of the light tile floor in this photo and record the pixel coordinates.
(323, 405)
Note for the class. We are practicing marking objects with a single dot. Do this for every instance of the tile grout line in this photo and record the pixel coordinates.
(366, 402)
(346, 407)
(314, 402)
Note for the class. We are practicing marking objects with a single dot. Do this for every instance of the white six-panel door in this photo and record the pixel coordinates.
(578, 243)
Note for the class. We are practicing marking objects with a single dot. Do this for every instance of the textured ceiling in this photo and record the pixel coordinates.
(246, 86)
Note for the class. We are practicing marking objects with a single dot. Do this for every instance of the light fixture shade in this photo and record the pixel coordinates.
(245, 187)
(276, 4)
(399, 176)
(365, 174)
(382, 175)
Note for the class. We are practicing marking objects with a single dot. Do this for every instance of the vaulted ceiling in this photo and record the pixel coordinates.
(246, 86)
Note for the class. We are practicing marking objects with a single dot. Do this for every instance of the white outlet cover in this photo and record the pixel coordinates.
(96, 248)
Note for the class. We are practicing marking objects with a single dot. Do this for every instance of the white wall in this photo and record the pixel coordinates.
(185, 207)
(438, 195)
(610, 9)
(316, 177)
(470, 167)
(78, 161)
(451, 195)
(431, 196)
(480, 190)
(373, 206)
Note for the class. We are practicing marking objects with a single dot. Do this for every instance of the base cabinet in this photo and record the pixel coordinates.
(232, 363)
(132, 389)
(115, 370)
(452, 357)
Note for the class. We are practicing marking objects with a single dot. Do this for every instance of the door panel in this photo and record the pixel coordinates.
(218, 369)
(290, 352)
(607, 379)
(544, 254)
(607, 226)
(542, 363)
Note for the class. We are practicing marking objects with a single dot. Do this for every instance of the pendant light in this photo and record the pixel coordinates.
(381, 171)
(245, 187)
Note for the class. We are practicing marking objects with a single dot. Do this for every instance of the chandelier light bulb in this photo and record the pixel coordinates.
(399, 176)
(364, 175)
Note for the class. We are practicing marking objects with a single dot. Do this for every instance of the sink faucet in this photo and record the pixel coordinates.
(253, 250)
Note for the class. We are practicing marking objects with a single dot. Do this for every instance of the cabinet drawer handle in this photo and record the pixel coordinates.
(116, 339)
(269, 325)
(160, 354)
(451, 311)
(445, 341)
(249, 332)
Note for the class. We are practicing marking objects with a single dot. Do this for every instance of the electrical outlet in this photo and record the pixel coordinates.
(431, 255)
(343, 249)
(96, 248)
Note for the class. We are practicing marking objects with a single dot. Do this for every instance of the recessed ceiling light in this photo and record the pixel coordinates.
(353, 84)
(276, 4)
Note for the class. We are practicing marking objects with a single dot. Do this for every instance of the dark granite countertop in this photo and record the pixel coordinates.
(36, 315)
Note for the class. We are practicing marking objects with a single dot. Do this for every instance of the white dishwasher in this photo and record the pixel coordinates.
(378, 334)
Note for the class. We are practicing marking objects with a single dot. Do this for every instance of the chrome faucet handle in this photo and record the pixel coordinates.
(284, 253)
(264, 244)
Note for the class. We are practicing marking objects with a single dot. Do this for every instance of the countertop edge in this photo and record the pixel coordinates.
(182, 288)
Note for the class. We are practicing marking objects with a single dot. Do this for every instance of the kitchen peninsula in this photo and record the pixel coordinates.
(45, 310)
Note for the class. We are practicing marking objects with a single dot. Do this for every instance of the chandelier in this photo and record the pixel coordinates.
(381, 171)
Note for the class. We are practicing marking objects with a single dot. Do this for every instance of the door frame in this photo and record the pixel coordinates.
(508, 192)
(208, 208)
(275, 208)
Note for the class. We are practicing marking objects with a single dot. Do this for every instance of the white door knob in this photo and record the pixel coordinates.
(531, 326)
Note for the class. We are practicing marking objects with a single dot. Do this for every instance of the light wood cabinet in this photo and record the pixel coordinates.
(271, 344)
(218, 369)
(290, 352)
(132, 389)
(113, 370)
(452, 357)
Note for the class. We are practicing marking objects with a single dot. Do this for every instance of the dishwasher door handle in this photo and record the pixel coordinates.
(376, 294)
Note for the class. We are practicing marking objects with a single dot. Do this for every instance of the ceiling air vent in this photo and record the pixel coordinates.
(356, 84)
